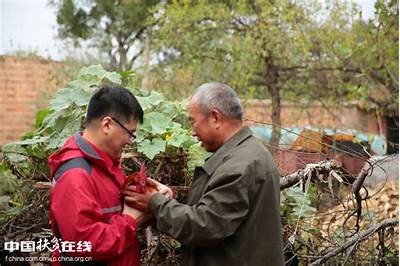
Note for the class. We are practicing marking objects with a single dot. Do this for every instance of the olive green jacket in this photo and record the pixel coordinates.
(232, 216)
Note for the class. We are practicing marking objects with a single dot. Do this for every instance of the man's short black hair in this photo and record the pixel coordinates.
(114, 101)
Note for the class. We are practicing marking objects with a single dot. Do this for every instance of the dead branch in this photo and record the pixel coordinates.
(27, 229)
(381, 247)
(149, 235)
(355, 239)
(324, 167)
(42, 185)
(356, 191)
(151, 243)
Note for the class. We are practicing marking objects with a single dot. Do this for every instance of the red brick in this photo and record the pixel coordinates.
(22, 83)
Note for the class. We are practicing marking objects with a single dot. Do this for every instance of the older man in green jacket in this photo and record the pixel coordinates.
(232, 215)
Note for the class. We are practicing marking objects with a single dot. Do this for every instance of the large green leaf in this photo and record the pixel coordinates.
(68, 96)
(40, 116)
(114, 77)
(55, 141)
(197, 154)
(94, 70)
(32, 141)
(152, 148)
(100, 73)
(8, 181)
(157, 123)
(177, 139)
(86, 83)
(154, 99)
(61, 101)
(14, 153)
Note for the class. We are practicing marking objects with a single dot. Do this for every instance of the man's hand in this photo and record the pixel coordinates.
(139, 216)
(163, 189)
(141, 200)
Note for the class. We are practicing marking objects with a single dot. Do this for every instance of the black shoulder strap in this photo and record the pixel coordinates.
(79, 162)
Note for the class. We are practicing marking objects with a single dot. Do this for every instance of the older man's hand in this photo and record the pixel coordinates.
(141, 200)
(163, 189)
(138, 200)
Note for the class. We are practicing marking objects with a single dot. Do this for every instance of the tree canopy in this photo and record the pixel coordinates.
(117, 28)
(296, 50)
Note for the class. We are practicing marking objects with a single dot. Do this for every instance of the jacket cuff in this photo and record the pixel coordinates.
(156, 201)
(130, 220)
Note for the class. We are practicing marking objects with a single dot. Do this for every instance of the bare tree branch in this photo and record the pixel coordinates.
(340, 68)
(356, 191)
(355, 239)
(132, 60)
(324, 167)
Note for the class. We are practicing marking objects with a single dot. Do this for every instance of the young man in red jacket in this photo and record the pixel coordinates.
(86, 208)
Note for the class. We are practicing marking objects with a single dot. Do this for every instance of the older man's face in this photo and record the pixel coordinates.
(203, 127)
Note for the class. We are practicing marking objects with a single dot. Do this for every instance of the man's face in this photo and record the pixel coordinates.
(203, 127)
(120, 134)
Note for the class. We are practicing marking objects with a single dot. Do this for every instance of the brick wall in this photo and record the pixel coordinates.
(348, 116)
(25, 87)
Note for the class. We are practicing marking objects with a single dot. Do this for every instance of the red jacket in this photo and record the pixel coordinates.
(85, 204)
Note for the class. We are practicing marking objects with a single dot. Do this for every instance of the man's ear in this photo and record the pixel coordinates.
(217, 118)
(105, 124)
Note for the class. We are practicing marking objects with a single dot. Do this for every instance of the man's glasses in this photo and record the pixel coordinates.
(130, 133)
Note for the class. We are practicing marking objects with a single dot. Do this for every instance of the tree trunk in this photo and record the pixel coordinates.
(146, 62)
(271, 79)
(122, 52)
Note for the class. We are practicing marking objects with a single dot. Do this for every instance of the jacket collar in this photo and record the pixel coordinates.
(216, 159)
(94, 154)
(86, 147)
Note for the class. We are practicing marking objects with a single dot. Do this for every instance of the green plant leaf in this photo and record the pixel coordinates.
(32, 141)
(114, 77)
(61, 101)
(156, 123)
(68, 96)
(99, 73)
(152, 148)
(14, 153)
(8, 181)
(154, 99)
(94, 70)
(177, 139)
(40, 116)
